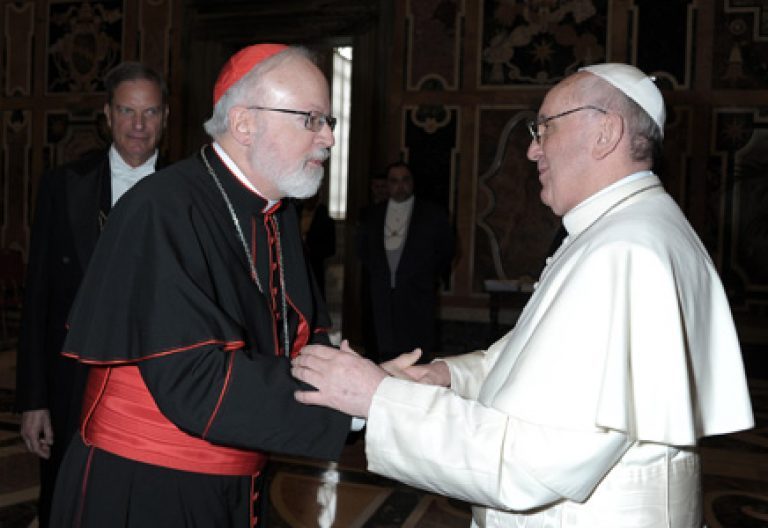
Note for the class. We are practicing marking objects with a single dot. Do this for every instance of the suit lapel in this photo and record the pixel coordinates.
(84, 203)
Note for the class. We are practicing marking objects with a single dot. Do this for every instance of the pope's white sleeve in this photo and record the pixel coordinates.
(469, 371)
(431, 438)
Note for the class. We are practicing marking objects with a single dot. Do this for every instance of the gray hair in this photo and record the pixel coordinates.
(242, 92)
(645, 136)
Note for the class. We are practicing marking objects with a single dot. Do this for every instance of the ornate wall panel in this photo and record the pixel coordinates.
(430, 141)
(674, 169)
(536, 42)
(155, 24)
(740, 44)
(18, 31)
(741, 144)
(84, 42)
(73, 135)
(661, 39)
(514, 229)
(434, 32)
(13, 191)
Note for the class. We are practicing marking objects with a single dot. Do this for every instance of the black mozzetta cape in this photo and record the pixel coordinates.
(169, 289)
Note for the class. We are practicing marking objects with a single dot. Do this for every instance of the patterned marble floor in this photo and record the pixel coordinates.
(307, 494)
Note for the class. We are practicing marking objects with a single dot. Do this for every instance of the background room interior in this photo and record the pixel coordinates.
(446, 85)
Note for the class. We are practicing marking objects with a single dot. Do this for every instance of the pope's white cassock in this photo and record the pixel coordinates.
(587, 413)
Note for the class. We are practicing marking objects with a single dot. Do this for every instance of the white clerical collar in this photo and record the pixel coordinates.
(396, 221)
(585, 212)
(117, 163)
(405, 205)
(624, 181)
(123, 176)
(234, 169)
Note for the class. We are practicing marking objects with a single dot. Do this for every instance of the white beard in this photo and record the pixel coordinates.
(300, 182)
(303, 182)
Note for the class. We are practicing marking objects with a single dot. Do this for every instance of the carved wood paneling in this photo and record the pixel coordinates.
(740, 146)
(434, 31)
(84, 42)
(13, 189)
(661, 37)
(514, 229)
(741, 44)
(540, 42)
(18, 31)
(155, 25)
(430, 138)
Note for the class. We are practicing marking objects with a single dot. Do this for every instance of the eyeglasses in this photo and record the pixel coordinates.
(313, 121)
(534, 127)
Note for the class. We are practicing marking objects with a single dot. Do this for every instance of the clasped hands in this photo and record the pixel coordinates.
(346, 381)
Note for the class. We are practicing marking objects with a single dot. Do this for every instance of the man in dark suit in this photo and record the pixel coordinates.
(318, 230)
(406, 245)
(72, 205)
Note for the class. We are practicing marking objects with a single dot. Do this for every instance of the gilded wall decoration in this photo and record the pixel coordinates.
(740, 45)
(514, 230)
(430, 140)
(742, 142)
(84, 42)
(532, 42)
(434, 39)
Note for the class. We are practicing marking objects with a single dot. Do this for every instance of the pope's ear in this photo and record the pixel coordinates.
(609, 135)
(240, 123)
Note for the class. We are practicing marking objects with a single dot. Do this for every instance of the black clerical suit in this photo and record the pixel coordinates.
(170, 291)
(320, 242)
(72, 204)
(404, 315)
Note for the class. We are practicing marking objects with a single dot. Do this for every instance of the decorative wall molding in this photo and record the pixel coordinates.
(430, 137)
(84, 42)
(741, 142)
(18, 30)
(514, 230)
(155, 23)
(16, 148)
(661, 40)
(539, 42)
(740, 45)
(434, 30)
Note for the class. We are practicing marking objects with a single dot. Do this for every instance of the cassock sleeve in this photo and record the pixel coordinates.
(165, 290)
(243, 400)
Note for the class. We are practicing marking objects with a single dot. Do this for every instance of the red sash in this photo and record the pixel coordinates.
(121, 417)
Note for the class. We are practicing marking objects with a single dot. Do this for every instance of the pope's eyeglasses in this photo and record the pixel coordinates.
(537, 127)
(313, 121)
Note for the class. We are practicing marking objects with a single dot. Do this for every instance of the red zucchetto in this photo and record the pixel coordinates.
(240, 64)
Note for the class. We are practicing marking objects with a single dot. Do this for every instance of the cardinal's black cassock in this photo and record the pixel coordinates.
(195, 289)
